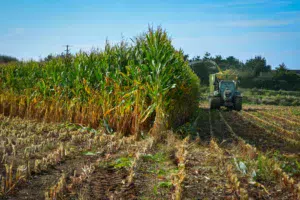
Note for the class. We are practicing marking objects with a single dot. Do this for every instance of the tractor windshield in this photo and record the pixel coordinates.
(227, 85)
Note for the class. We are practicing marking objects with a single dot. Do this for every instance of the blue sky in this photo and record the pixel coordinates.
(271, 28)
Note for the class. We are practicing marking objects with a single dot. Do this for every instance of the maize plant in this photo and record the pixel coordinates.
(126, 88)
(179, 177)
(11, 179)
(87, 171)
(233, 184)
(57, 190)
(143, 148)
(247, 150)
(287, 182)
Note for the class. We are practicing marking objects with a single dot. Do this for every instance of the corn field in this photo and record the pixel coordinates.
(126, 123)
(125, 88)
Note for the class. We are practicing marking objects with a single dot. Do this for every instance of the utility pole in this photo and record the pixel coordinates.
(68, 57)
(67, 50)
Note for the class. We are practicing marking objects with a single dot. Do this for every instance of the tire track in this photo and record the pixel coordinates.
(291, 189)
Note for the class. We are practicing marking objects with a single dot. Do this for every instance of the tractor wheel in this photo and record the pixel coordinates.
(211, 105)
(238, 103)
(217, 101)
(214, 103)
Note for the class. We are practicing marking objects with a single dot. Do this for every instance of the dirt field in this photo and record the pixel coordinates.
(253, 154)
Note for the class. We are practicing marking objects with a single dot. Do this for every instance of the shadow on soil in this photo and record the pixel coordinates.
(247, 130)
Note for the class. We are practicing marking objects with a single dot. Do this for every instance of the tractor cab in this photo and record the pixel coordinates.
(223, 91)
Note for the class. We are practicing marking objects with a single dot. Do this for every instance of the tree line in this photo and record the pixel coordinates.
(254, 73)
(7, 59)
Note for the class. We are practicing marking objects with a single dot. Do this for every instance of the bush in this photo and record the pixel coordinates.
(271, 97)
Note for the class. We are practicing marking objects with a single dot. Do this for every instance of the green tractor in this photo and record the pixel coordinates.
(223, 91)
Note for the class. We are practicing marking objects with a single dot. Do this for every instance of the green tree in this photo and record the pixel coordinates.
(49, 57)
(281, 69)
(233, 63)
(7, 59)
(218, 59)
(207, 56)
(186, 57)
(196, 58)
(257, 65)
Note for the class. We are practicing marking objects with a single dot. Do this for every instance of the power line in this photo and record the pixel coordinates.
(67, 50)
(68, 55)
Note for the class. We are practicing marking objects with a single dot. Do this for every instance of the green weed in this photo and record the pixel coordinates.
(157, 158)
(123, 162)
(265, 169)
